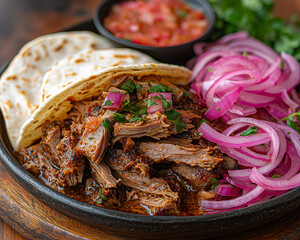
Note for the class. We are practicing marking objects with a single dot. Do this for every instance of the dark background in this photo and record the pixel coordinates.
(24, 20)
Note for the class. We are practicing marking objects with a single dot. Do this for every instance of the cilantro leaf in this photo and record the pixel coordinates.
(128, 86)
(290, 122)
(257, 19)
(165, 103)
(276, 176)
(137, 87)
(185, 93)
(106, 124)
(120, 117)
(202, 121)
(108, 102)
(160, 88)
(150, 102)
(134, 108)
(134, 119)
(101, 195)
(175, 118)
(249, 131)
(214, 182)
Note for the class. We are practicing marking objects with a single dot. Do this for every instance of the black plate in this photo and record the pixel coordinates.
(147, 227)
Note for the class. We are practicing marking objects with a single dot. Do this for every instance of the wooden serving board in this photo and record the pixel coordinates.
(34, 220)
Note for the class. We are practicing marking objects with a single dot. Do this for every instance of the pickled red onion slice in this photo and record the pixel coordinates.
(273, 83)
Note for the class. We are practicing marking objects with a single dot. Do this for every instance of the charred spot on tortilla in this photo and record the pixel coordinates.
(38, 56)
(45, 50)
(93, 46)
(26, 80)
(26, 53)
(70, 74)
(79, 60)
(117, 63)
(59, 47)
(22, 92)
(124, 56)
(8, 104)
(12, 77)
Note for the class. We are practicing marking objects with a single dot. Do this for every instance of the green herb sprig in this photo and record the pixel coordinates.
(249, 131)
(256, 17)
(290, 122)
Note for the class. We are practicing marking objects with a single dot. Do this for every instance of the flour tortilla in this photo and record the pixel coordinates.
(82, 65)
(20, 84)
(56, 106)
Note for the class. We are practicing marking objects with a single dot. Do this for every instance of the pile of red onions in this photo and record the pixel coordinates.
(237, 75)
(273, 151)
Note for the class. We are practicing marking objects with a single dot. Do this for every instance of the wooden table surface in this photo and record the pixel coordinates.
(23, 20)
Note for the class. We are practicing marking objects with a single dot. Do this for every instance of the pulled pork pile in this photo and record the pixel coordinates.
(116, 152)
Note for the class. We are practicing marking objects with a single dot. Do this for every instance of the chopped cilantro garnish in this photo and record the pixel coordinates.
(134, 119)
(290, 122)
(209, 69)
(160, 88)
(134, 108)
(91, 138)
(276, 176)
(101, 195)
(128, 86)
(150, 102)
(106, 124)
(214, 182)
(175, 118)
(202, 121)
(120, 117)
(249, 131)
(163, 196)
(218, 109)
(165, 103)
(185, 93)
(137, 87)
(245, 55)
(108, 102)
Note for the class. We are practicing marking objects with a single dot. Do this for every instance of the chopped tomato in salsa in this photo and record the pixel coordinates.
(156, 22)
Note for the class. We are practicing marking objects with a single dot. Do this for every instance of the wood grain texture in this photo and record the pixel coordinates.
(20, 22)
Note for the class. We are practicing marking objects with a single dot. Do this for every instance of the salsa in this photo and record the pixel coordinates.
(156, 22)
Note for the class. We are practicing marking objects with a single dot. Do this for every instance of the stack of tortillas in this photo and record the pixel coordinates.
(46, 65)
